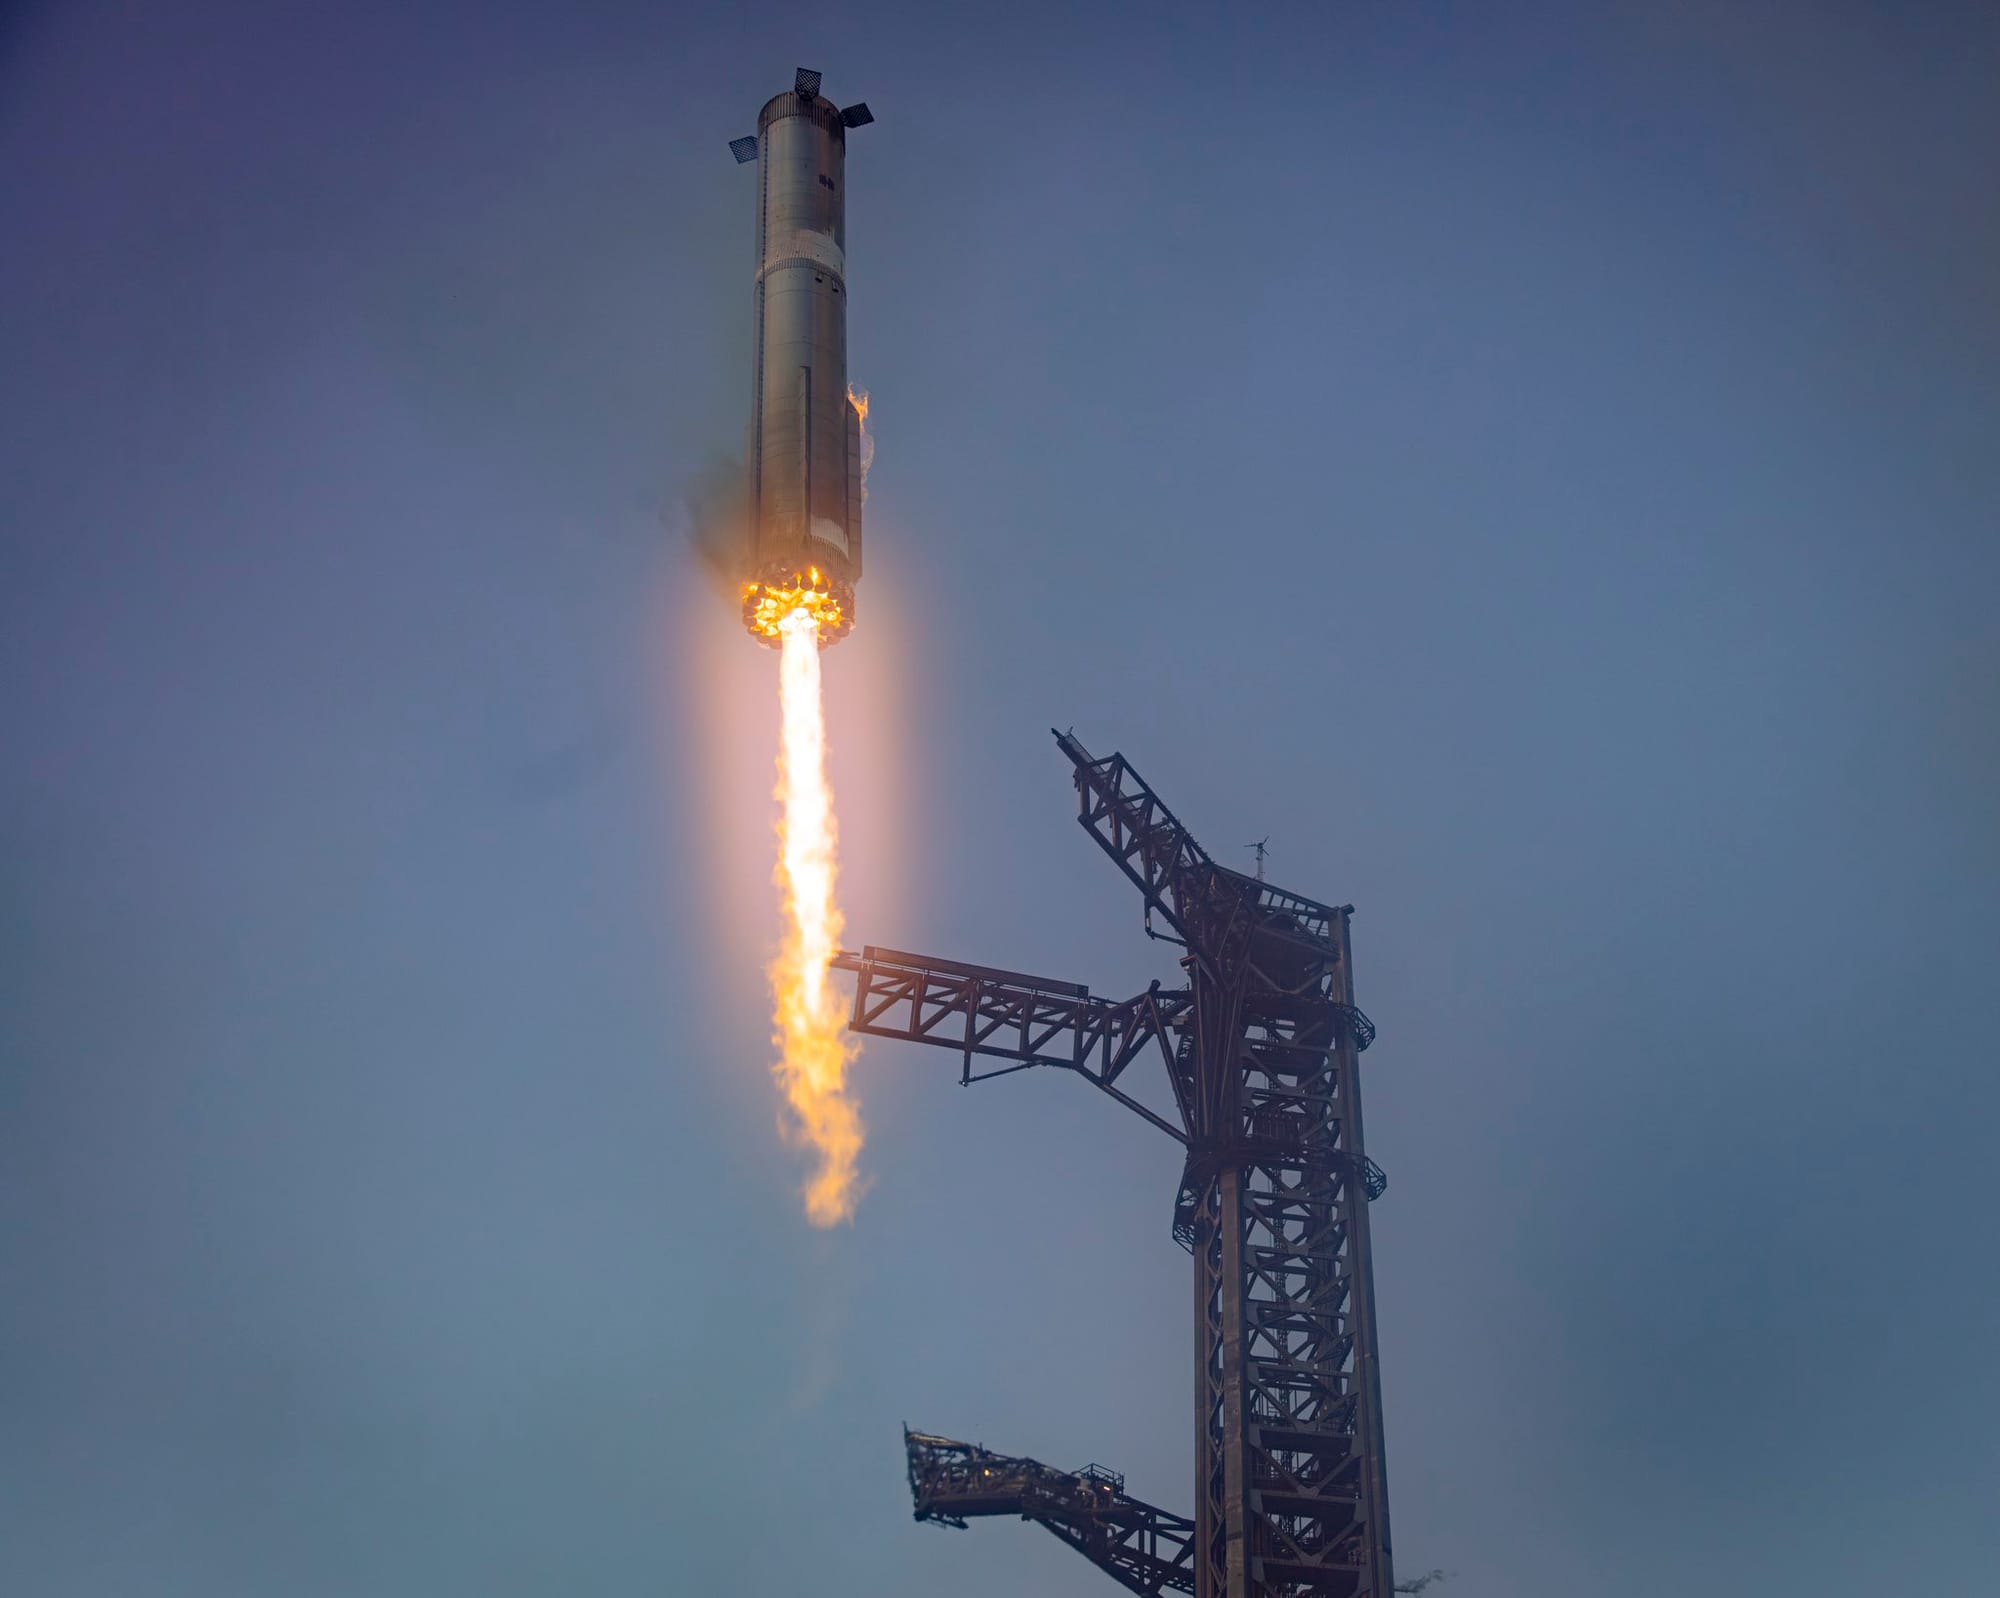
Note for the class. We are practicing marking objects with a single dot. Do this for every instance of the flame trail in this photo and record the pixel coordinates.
(814, 1049)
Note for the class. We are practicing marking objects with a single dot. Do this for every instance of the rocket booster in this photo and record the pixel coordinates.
(805, 433)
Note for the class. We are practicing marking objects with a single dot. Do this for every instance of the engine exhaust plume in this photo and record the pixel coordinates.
(814, 1050)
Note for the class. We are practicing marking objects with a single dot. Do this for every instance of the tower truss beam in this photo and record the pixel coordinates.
(984, 1012)
(1146, 1550)
(1262, 1048)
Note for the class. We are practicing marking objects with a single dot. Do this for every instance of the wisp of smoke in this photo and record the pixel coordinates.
(714, 517)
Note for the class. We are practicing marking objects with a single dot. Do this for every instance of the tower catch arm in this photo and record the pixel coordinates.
(1144, 1549)
(1007, 1015)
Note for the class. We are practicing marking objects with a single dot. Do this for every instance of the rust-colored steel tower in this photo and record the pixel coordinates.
(1261, 1048)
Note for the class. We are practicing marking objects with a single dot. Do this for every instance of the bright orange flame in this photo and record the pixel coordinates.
(858, 398)
(770, 604)
(814, 1048)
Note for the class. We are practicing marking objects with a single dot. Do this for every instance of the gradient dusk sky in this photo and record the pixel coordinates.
(1539, 463)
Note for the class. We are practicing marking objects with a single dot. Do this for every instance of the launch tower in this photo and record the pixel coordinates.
(1261, 1047)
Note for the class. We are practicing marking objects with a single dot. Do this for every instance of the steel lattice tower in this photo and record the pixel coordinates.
(1261, 1048)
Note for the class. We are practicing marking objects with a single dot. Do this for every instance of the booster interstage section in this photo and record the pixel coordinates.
(805, 429)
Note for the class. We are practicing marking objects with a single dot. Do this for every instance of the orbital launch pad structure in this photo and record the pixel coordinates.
(805, 432)
(1261, 1048)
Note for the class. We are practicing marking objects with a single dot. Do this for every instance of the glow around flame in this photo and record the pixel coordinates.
(811, 1036)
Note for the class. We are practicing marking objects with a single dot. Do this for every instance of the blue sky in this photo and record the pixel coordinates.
(1536, 467)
